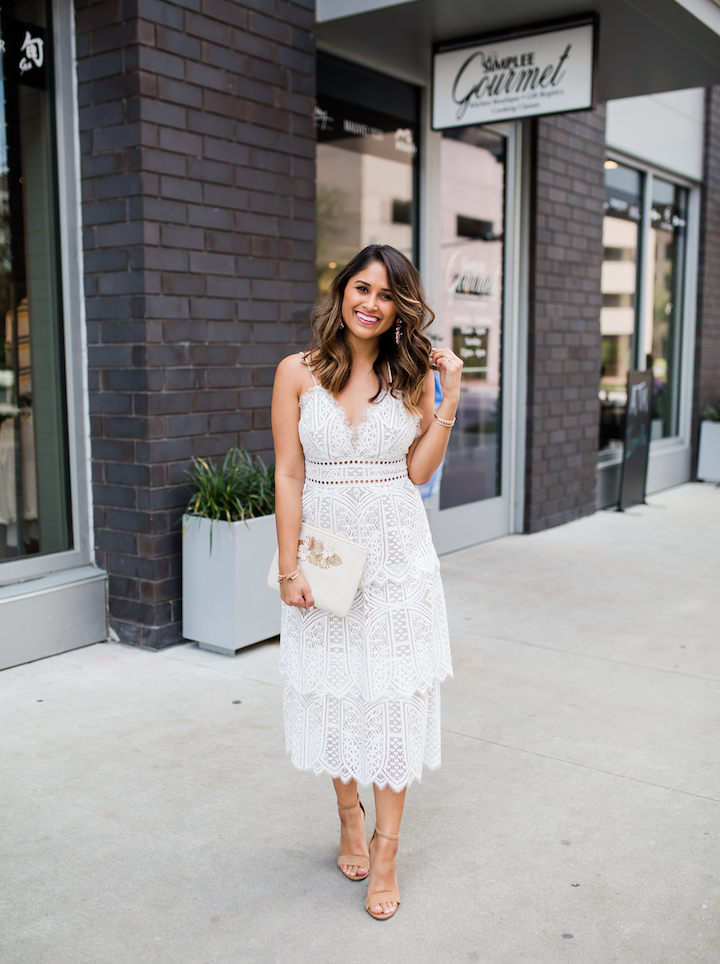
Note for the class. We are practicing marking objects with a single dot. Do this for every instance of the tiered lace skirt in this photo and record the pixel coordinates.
(362, 694)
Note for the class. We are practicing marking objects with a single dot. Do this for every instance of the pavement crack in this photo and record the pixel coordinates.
(584, 766)
(602, 659)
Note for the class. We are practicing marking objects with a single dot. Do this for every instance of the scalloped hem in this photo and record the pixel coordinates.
(379, 781)
(383, 743)
(422, 689)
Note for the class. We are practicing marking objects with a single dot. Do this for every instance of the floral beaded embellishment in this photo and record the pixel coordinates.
(318, 553)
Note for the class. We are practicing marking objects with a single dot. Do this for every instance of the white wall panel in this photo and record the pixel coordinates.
(663, 129)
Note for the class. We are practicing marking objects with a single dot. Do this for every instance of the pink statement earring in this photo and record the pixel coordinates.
(398, 331)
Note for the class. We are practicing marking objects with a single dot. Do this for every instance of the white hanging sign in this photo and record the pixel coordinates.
(547, 72)
(33, 53)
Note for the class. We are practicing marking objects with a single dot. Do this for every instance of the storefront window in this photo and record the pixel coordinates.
(470, 313)
(621, 231)
(34, 483)
(668, 215)
(642, 289)
(367, 132)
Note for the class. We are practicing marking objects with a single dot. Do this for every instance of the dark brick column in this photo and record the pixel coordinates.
(707, 339)
(564, 336)
(198, 184)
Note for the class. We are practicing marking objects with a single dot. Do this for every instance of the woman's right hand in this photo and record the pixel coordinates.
(297, 593)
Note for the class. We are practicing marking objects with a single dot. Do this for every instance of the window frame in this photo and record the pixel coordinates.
(67, 144)
(686, 339)
(340, 62)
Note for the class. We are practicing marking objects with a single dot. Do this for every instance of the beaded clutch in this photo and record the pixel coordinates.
(332, 565)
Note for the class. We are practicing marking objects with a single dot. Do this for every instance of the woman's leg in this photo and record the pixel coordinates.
(352, 827)
(388, 814)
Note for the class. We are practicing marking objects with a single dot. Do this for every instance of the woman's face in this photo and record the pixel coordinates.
(368, 309)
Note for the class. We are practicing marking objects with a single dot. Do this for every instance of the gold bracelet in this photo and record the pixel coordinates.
(289, 575)
(445, 422)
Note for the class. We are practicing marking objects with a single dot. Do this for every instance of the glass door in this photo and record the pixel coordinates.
(645, 237)
(620, 303)
(472, 314)
(35, 517)
(662, 331)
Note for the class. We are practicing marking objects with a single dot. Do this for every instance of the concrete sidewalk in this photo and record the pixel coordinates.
(149, 815)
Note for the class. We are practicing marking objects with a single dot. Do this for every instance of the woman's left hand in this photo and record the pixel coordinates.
(449, 368)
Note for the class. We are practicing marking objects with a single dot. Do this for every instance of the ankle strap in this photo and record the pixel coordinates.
(387, 836)
(350, 806)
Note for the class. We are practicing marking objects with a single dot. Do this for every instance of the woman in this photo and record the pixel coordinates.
(355, 432)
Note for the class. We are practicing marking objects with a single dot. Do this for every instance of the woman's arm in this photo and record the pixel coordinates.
(428, 451)
(289, 476)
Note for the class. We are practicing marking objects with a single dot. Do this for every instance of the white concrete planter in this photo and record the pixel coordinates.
(226, 600)
(709, 460)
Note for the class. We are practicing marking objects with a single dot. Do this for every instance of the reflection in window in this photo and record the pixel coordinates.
(366, 165)
(619, 296)
(470, 313)
(34, 484)
(652, 264)
(668, 216)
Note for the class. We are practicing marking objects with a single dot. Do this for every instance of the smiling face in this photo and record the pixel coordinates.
(368, 309)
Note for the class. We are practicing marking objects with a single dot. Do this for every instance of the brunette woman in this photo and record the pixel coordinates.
(355, 432)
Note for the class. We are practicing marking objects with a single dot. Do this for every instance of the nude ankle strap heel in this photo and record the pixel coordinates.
(382, 896)
(387, 836)
(353, 860)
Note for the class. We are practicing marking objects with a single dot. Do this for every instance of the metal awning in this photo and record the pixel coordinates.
(645, 46)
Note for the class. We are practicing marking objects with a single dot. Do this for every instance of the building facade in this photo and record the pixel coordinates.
(180, 182)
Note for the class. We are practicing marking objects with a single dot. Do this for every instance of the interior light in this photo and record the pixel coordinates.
(610, 165)
(333, 264)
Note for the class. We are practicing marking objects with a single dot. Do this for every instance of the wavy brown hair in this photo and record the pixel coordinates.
(331, 355)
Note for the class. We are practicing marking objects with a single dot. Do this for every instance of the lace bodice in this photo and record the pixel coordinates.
(385, 432)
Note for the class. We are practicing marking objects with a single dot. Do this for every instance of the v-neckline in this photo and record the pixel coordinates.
(353, 426)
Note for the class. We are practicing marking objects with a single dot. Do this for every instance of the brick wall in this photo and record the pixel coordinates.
(198, 210)
(707, 346)
(564, 336)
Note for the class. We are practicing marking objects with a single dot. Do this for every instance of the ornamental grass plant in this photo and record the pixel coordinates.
(238, 489)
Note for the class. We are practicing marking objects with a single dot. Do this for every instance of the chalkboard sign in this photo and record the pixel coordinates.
(471, 344)
(26, 54)
(636, 448)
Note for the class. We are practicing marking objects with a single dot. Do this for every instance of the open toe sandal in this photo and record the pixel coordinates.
(382, 896)
(353, 860)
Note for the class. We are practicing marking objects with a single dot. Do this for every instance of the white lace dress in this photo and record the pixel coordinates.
(361, 697)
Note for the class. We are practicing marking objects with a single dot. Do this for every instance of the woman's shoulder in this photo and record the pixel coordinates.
(293, 374)
(292, 366)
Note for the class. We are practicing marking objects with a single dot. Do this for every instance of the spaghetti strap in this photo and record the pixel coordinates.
(304, 358)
